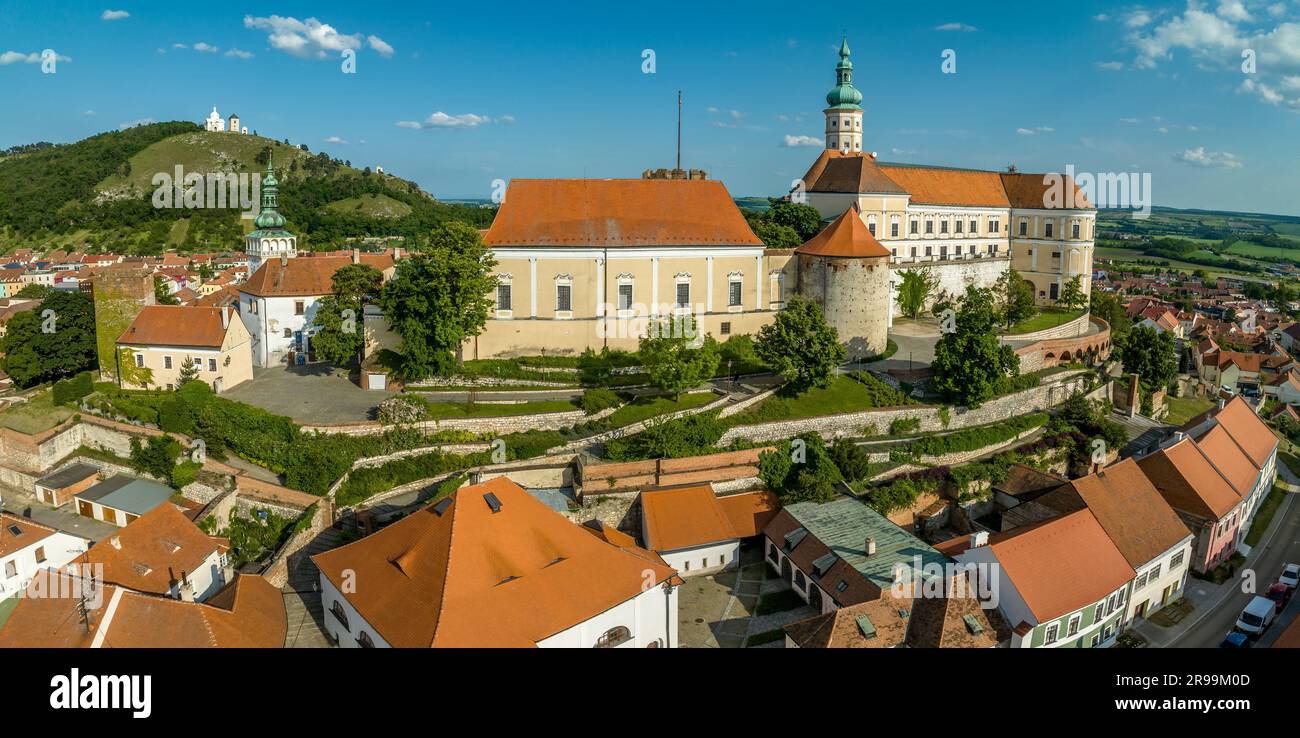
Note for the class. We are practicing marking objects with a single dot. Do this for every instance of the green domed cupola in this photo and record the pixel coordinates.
(270, 217)
(844, 94)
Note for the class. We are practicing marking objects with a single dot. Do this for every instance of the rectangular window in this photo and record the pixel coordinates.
(1155, 571)
(912, 227)
(139, 361)
(212, 365)
(1074, 230)
(1141, 581)
(11, 569)
(563, 298)
(40, 555)
(299, 307)
(252, 306)
(625, 297)
(929, 251)
(943, 226)
(1051, 633)
(167, 362)
(893, 229)
(974, 226)
(1024, 227)
(960, 227)
(1176, 561)
(683, 294)
(733, 294)
(929, 226)
(1047, 229)
(993, 226)
(1073, 628)
(872, 227)
(725, 329)
(503, 297)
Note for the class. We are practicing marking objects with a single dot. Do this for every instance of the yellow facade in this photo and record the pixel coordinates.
(222, 368)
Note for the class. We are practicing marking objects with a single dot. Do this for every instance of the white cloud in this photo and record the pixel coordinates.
(335, 140)
(1262, 90)
(134, 123)
(17, 57)
(112, 15)
(1233, 10)
(1110, 66)
(1128, 120)
(1035, 131)
(506, 120)
(379, 45)
(443, 120)
(88, 113)
(1101, 17)
(179, 46)
(311, 39)
(240, 54)
(797, 141)
(962, 27)
(1200, 157)
(206, 48)
(1137, 19)
(1277, 10)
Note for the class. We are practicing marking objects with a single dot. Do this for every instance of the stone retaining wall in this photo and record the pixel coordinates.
(634, 428)
(1053, 391)
(1072, 329)
(499, 425)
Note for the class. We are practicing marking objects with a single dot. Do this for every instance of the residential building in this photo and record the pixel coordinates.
(1205, 500)
(121, 499)
(1061, 581)
(841, 553)
(518, 575)
(247, 613)
(27, 547)
(162, 552)
(164, 338)
(698, 532)
(1248, 435)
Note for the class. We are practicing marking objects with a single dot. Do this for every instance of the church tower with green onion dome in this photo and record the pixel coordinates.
(844, 114)
(270, 240)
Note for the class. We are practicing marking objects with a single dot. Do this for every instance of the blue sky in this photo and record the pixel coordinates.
(455, 95)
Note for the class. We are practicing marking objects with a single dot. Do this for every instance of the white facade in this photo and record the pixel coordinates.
(264, 248)
(1161, 580)
(277, 325)
(51, 552)
(648, 620)
(707, 559)
(214, 121)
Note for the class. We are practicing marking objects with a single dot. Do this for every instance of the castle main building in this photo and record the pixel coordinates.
(589, 263)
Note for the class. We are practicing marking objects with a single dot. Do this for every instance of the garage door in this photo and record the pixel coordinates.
(376, 381)
(85, 508)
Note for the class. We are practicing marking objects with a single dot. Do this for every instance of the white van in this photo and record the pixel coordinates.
(1257, 616)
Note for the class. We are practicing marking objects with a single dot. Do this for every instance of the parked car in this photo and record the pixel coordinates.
(1279, 594)
(1290, 576)
(1257, 616)
(1235, 640)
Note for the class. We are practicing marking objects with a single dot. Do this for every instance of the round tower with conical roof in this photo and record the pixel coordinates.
(844, 114)
(845, 270)
(270, 240)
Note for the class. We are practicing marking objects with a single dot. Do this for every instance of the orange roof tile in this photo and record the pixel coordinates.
(1138, 520)
(153, 552)
(1229, 459)
(837, 171)
(940, 186)
(30, 532)
(1031, 191)
(847, 237)
(512, 578)
(682, 517)
(305, 276)
(1061, 564)
(177, 325)
(1248, 430)
(1188, 482)
(750, 512)
(618, 212)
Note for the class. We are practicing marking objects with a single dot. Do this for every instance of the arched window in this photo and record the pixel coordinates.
(337, 611)
(614, 637)
(365, 641)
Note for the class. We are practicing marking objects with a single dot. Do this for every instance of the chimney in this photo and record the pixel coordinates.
(979, 538)
(397, 253)
(871, 546)
(225, 317)
(356, 256)
(116, 542)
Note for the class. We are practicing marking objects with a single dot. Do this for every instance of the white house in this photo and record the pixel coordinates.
(27, 547)
(162, 552)
(697, 532)
(520, 575)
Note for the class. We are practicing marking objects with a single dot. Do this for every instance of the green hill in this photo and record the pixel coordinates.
(96, 194)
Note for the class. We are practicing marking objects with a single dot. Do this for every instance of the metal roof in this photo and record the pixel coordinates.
(845, 524)
(67, 476)
(129, 494)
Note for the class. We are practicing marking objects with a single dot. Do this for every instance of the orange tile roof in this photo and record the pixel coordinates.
(618, 212)
(1134, 515)
(847, 237)
(682, 517)
(1031, 191)
(836, 171)
(839, 628)
(1229, 459)
(152, 552)
(30, 532)
(456, 574)
(939, 186)
(177, 325)
(1061, 564)
(1248, 430)
(305, 276)
(248, 613)
(1188, 482)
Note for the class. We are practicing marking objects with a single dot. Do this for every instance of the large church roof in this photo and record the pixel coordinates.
(618, 212)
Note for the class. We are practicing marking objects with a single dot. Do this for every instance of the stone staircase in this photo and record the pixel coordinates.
(302, 599)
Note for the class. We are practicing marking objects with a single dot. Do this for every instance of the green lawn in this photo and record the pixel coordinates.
(1183, 409)
(1044, 319)
(1267, 509)
(649, 407)
(438, 410)
(36, 415)
(844, 395)
(7, 608)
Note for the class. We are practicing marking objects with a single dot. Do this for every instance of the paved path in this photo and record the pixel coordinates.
(302, 598)
(312, 394)
(1215, 607)
(24, 504)
(717, 610)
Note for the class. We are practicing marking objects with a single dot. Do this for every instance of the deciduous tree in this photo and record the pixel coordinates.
(800, 346)
(969, 362)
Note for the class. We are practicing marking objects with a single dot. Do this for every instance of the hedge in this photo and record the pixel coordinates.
(971, 439)
(71, 390)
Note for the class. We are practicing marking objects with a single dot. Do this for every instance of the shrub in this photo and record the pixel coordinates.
(402, 410)
(901, 492)
(672, 439)
(157, 456)
(70, 390)
(595, 399)
(880, 394)
(973, 439)
(853, 462)
(903, 426)
(185, 474)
